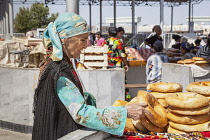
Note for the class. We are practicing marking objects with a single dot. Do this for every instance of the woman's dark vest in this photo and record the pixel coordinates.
(52, 119)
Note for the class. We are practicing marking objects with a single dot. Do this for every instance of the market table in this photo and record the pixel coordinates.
(184, 74)
(135, 85)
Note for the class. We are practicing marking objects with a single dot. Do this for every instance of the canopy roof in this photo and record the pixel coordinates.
(111, 2)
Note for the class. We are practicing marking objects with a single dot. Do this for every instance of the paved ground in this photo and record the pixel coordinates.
(10, 135)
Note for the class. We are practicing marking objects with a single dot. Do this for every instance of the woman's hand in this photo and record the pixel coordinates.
(150, 67)
(136, 110)
(126, 68)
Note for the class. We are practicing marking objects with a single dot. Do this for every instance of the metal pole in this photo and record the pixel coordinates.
(11, 17)
(189, 18)
(133, 16)
(1, 17)
(6, 16)
(172, 16)
(192, 12)
(101, 16)
(90, 16)
(162, 14)
(72, 6)
(114, 13)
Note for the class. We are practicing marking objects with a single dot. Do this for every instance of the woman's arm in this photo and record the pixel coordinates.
(110, 119)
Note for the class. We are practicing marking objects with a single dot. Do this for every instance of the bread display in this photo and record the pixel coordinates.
(188, 119)
(175, 131)
(165, 87)
(159, 95)
(190, 111)
(187, 100)
(191, 128)
(198, 58)
(163, 102)
(199, 61)
(155, 112)
(200, 88)
(186, 111)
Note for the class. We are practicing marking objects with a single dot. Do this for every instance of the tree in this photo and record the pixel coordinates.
(35, 17)
(39, 15)
(22, 20)
(53, 17)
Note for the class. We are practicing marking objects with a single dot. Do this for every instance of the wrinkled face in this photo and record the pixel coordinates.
(74, 45)
(120, 34)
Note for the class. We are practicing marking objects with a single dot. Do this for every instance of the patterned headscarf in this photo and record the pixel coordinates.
(186, 46)
(65, 26)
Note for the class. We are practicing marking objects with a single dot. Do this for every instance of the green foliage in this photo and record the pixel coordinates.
(53, 17)
(22, 20)
(35, 17)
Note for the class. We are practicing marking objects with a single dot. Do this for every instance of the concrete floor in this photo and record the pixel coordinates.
(10, 135)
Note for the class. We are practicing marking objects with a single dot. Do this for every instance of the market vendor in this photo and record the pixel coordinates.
(151, 40)
(205, 50)
(186, 49)
(99, 40)
(60, 105)
(177, 39)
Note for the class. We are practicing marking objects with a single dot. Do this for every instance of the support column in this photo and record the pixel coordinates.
(90, 16)
(172, 16)
(11, 17)
(72, 6)
(115, 13)
(1, 17)
(189, 17)
(162, 14)
(101, 17)
(6, 17)
(133, 16)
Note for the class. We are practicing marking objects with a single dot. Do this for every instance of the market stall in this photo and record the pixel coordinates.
(184, 74)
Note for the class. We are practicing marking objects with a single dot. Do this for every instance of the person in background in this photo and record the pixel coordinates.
(177, 39)
(116, 55)
(205, 50)
(60, 104)
(198, 44)
(154, 63)
(184, 39)
(185, 49)
(99, 40)
(90, 40)
(120, 33)
(150, 41)
(116, 52)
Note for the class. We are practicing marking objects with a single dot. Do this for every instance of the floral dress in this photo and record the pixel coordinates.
(115, 52)
(111, 119)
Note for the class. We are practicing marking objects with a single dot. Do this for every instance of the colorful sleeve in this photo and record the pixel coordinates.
(111, 119)
(120, 48)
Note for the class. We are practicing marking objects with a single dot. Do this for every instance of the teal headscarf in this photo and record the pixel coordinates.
(65, 26)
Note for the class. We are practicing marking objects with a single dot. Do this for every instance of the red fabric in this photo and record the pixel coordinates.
(206, 134)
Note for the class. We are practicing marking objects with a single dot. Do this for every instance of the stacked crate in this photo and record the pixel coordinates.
(95, 57)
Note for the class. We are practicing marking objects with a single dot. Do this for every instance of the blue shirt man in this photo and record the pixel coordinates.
(154, 63)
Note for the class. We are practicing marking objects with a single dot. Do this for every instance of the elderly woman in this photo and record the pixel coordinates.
(185, 49)
(60, 105)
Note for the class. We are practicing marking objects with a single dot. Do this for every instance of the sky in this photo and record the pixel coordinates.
(149, 14)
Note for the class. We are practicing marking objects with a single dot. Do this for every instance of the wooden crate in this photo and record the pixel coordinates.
(95, 57)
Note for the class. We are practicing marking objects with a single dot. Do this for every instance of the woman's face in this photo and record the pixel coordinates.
(120, 34)
(158, 31)
(183, 51)
(74, 45)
